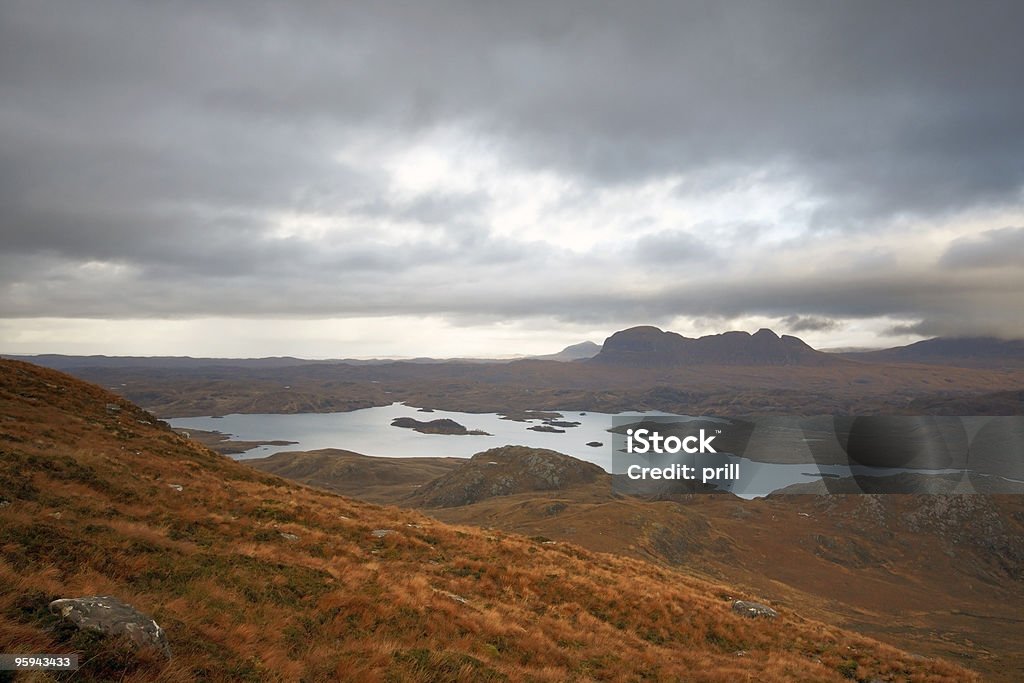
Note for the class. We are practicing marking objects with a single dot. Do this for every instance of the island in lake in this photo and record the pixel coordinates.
(440, 426)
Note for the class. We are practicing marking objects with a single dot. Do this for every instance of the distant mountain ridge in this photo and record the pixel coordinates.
(648, 346)
(581, 351)
(642, 346)
(965, 351)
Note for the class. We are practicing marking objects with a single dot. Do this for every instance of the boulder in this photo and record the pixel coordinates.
(753, 609)
(111, 617)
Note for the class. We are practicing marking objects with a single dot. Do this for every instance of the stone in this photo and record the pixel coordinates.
(381, 533)
(287, 536)
(109, 616)
(753, 609)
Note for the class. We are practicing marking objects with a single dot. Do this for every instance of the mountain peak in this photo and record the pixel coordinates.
(648, 346)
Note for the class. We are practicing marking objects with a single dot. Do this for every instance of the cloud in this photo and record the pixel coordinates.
(797, 323)
(1000, 248)
(578, 164)
(673, 247)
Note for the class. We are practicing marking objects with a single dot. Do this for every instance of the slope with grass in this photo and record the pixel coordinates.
(256, 578)
(939, 575)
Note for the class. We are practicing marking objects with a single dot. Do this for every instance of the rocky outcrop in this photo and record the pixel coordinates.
(753, 609)
(505, 471)
(109, 616)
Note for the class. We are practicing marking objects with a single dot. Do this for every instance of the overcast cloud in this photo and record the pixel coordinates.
(506, 177)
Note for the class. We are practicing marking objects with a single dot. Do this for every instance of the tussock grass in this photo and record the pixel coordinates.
(90, 510)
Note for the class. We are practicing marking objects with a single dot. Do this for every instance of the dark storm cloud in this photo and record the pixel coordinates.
(167, 140)
(798, 323)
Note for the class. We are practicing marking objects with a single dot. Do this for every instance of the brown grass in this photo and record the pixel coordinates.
(89, 510)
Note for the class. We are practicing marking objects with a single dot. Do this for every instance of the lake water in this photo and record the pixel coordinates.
(369, 432)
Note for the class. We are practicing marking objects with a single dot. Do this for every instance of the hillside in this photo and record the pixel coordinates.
(505, 471)
(935, 574)
(982, 352)
(255, 578)
(383, 480)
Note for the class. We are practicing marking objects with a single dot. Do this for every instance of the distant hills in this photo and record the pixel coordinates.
(961, 351)
(581, 351)
(644, 346)
(58, 361)
(651, 347)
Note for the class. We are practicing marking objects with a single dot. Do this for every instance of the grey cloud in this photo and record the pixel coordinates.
(920, 327)
(673, 247)
(797, 323)
(992, 249)
(565, 289)
(164, 137)
(925, 115)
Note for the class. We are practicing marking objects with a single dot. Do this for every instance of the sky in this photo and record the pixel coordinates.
(329, 180)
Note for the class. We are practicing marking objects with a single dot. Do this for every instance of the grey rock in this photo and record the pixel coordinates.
(111, 617)
(753, 609)
(381, 533)
(288, 537)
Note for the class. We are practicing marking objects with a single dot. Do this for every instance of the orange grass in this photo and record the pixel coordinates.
(88, 509)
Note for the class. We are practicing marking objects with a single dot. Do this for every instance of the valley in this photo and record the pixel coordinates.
(253, 577)
(937, 576)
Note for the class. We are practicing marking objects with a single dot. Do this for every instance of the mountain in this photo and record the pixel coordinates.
(583, 350)
(648, 346)
(247, 576)
(958, 351)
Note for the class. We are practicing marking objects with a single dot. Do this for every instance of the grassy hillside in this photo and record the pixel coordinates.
(938, 575)
(255, 578)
